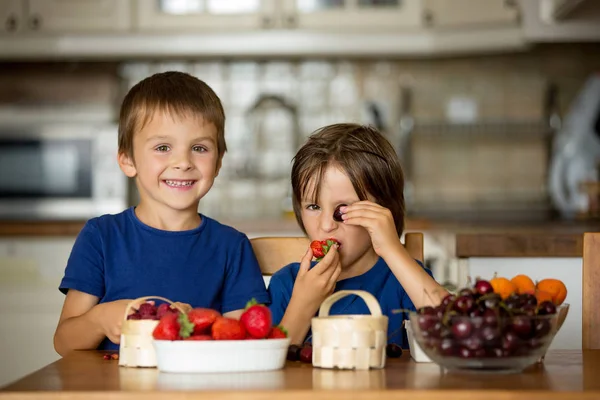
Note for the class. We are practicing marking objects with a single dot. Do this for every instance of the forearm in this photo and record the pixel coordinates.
(422, 289)
(78, 333)
(297, 320)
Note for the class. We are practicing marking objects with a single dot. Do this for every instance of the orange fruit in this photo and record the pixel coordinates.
(555, 287)
(523, 283)
(542, 296)
(503, 287)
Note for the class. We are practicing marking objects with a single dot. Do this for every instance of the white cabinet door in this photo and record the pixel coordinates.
(203, 15)
(466, 13)
(12, 13)
(78, 15)
(348, 15)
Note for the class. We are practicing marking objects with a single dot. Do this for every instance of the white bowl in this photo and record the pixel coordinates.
(185, 356)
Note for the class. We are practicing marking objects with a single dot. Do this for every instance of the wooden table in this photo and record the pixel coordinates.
(564, 375)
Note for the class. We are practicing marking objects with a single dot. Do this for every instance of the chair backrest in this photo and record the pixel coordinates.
(590, 310)
(276, 252)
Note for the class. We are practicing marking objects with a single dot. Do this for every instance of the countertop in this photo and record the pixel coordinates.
(567, 374)
(288, 226)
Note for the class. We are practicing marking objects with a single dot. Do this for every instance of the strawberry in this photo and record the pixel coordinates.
(228, 329)
(278, 332)
(257, 319)
(199, 337)
(173, 326)
(321, 247)
(202, 318)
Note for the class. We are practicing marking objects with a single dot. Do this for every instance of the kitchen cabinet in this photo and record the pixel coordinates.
(64, 16)
(12, 13)
(470, 13)
(204, 15)
(78, 15)
(367, 15)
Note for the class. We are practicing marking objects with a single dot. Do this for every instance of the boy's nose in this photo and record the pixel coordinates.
(328, 224)
(183, 162)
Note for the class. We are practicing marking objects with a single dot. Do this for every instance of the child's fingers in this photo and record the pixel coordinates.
(327, 261)
(305, 262)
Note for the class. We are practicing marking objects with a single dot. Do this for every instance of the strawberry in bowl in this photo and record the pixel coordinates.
(203, 340)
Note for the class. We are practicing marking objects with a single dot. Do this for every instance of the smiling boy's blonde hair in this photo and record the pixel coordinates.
(363, 154)
(176, 93)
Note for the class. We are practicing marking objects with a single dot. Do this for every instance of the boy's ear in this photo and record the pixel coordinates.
(127, 165)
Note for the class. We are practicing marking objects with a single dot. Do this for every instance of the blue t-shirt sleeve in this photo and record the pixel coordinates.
(244, 280)
(85, 266)
(280, 291)
(407, 303)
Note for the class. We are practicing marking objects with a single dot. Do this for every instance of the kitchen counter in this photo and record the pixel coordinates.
(9, 228)
(519, 244)
(86, 375)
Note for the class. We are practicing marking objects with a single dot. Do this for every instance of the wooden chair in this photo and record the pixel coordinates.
(590, 329)
(276, 252)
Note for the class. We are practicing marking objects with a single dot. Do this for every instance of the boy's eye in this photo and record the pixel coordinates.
(162, 148)
(199, 149)
(312, 207)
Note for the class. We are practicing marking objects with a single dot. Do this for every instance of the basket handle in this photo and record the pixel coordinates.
(140, 300)
(368, 298)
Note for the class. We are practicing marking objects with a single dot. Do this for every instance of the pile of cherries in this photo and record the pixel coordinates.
(478, 323)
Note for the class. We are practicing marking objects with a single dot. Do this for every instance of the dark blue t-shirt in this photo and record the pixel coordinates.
(379, 281)
(118, 257)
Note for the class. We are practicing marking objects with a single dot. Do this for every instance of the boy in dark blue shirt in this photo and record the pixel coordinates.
(352, 171)
(171, 141)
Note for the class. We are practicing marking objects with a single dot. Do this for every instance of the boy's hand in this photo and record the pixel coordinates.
(378, 221)
(110, 318)
(313, 285)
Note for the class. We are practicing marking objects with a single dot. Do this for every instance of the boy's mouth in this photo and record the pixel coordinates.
(174, 183)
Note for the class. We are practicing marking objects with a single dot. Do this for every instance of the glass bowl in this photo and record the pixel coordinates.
(488, 343)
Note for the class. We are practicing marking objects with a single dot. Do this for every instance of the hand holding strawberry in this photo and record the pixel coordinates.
(313, 285)
(321, 247)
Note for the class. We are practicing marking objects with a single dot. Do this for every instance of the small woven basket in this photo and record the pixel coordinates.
(136, 349)
(349, 341)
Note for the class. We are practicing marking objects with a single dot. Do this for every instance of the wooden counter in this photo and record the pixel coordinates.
(289, 226)
(86, 375)
(524, 244)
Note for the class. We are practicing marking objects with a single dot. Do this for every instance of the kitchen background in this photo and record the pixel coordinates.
(479, 101)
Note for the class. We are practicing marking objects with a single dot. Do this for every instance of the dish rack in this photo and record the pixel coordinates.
(136, 348)
(349, 341)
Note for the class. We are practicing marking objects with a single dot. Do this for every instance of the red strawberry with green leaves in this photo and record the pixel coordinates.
(173, 327)
(228, 329)
(257, 319)
(321, 247)
(202, 318)
(278, 332)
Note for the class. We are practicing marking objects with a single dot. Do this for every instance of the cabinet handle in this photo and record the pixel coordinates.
(12, 23)
(428, 17)
(290, 21)
(267, 22)
(35, 22)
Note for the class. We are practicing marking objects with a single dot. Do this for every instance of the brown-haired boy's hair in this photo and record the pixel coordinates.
(364, 154)
(176, 93)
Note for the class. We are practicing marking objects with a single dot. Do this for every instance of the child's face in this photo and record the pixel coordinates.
(336, 189)
(175, 161)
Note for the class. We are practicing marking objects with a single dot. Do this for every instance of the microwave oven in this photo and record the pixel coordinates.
(60, 172)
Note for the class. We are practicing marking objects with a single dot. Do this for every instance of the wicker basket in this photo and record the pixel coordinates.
(136, 349)
(349, 341)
